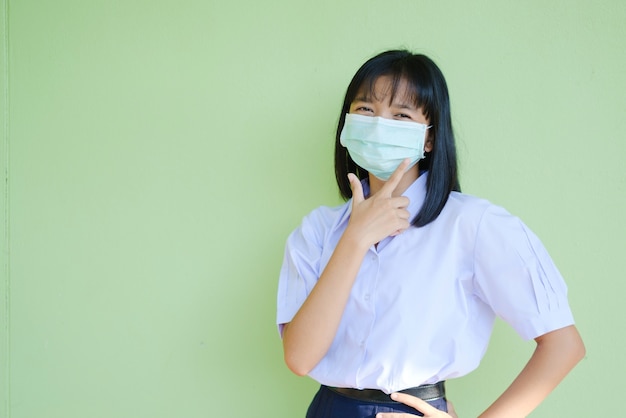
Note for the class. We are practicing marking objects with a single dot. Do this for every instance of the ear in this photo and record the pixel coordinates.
(428, 145)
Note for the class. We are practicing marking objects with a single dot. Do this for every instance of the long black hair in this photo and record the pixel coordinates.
(430, 93)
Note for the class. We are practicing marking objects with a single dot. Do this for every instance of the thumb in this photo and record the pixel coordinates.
(357, 188)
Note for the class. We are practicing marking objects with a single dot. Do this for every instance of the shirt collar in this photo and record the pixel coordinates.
(416, 193)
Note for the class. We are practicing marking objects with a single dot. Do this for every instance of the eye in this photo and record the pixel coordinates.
(402, 116)
(363, 109)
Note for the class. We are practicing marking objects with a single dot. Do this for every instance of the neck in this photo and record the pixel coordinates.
(409, 177)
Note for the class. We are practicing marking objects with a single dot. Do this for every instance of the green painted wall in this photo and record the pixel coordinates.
(157, 154)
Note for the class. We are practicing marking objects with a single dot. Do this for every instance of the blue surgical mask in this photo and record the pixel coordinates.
(380, 145)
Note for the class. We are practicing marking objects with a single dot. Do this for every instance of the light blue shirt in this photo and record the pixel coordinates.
(424, 302)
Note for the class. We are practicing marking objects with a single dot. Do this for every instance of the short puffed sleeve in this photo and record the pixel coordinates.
(301, 264)
(517, 278)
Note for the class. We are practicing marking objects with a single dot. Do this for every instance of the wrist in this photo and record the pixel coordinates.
(354, 241)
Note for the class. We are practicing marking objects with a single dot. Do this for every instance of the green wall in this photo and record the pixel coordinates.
(157, 154)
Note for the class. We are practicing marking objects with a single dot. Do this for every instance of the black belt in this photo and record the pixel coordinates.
(424, 392)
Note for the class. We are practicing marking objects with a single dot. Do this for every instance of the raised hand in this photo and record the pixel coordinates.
(422, 406)
(381, 215)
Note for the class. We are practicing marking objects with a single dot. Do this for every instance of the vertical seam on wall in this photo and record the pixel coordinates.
(6, 323)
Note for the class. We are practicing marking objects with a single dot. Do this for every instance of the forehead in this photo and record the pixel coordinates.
(387, 89)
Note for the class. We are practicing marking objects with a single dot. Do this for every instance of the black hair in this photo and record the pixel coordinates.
(430, 94)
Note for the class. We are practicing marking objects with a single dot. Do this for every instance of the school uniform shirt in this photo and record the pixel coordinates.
(423, 304)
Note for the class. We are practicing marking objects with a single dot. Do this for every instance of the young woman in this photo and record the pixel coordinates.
(397, 289)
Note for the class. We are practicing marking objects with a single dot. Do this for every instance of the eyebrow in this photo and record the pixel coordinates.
(363, 98)
(404, 105)
(396, 103)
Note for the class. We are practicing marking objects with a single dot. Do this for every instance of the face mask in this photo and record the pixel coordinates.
(379, 145)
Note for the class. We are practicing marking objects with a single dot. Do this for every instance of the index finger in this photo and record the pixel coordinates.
(395, 178)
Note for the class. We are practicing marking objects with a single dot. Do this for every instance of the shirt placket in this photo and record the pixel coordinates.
(367, 302)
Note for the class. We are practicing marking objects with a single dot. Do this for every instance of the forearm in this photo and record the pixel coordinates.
(310, 333)
(308, 336)
(556, 354)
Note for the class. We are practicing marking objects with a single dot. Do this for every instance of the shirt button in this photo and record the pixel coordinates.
(367, 296)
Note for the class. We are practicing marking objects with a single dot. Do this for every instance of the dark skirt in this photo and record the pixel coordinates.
(330, 404)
